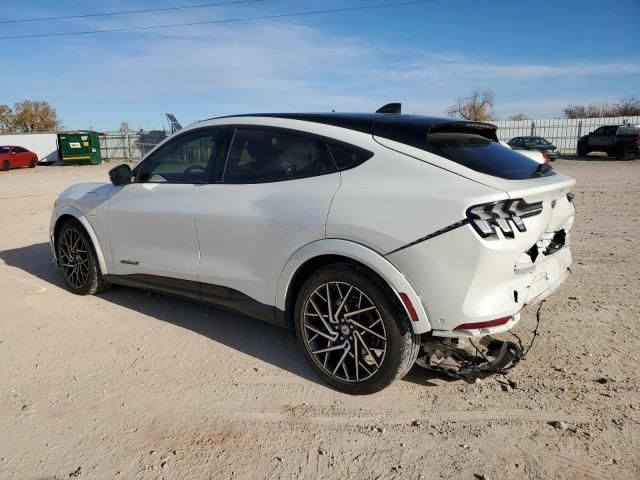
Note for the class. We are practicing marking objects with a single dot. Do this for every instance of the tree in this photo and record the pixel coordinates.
(476, 107)
(627, 106)
(6, 119)
(519, 116)
(34, 116)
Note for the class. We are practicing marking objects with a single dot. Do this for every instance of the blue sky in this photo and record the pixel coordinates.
(536, 56)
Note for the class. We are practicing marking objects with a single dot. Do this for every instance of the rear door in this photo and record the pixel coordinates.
(274, 199)
(151, 222)
(21, 157)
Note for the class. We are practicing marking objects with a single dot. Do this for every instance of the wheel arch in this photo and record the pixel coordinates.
(324, 252)
(67, 213)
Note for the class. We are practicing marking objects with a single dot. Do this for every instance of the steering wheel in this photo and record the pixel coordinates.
(193, 168)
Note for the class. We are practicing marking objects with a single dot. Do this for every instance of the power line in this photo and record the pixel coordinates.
(126, 12)
(229, 20)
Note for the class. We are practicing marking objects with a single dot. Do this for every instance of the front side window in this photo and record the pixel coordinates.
(265, 155)
(4, 150)
(190, 158)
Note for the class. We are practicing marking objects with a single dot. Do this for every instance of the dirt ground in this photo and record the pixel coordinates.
(129, 385)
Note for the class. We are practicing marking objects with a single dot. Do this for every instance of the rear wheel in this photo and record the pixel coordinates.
(77, 260)
(353, 333)
(6, 165)
(32, 163)
(620, 153)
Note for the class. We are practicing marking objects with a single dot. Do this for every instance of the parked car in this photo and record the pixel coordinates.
(537, 156)
(614, 140)
(12, 156)
(370, 235)
(535, 143)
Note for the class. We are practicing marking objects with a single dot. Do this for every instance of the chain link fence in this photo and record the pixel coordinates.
(129, 145)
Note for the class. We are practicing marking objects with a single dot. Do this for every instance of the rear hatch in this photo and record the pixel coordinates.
(472, 150)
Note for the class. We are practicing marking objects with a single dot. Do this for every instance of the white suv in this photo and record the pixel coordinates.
(369, 234)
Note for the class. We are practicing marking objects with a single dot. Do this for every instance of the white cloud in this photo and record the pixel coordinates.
(258, 66)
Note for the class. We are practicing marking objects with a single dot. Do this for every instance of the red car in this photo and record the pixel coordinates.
(14, 157)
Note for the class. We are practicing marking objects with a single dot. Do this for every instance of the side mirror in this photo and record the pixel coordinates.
(13, 153)
(120, 175)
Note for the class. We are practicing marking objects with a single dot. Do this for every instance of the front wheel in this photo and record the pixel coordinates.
(77, 260)
(353, 333)
(32, 163)
(582, 150)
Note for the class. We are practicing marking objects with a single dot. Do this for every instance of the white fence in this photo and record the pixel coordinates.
(562, 132)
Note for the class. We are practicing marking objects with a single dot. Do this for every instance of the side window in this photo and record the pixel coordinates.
(599, 131)
(19, 150)
(190, 158)
(259, 156)
(348, 156)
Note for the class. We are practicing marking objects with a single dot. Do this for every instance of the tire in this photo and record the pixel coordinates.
(582, 150)
(6, 165)
(32, 163)
(77, 260)
(381, 337)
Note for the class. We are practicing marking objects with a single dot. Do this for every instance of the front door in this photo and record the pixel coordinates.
(151, 222)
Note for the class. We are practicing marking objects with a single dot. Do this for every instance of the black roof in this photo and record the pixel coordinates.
(368, 122)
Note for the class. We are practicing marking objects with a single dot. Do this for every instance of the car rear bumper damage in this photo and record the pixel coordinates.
(471, 287)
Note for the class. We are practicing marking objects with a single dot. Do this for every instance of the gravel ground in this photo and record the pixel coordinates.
(133, 385)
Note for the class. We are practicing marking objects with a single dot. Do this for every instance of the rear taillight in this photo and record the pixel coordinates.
(488, 218)
(638, 140)
(545, 157)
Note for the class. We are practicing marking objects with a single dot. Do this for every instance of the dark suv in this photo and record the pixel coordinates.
(614, 140)
(534, 143)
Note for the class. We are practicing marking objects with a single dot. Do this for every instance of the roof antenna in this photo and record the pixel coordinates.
(391, 108)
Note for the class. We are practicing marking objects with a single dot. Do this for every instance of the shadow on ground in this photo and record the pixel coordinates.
(271, 344)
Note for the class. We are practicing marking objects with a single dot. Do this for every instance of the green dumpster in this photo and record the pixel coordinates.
(80, 147)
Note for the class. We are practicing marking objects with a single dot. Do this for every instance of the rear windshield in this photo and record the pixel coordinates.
(472, 144)
(629, 130)
(483, 155)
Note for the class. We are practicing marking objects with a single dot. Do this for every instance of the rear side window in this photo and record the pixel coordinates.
(348, 156)
(19, 150)
(265, 155)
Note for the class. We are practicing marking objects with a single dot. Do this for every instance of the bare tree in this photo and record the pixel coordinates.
(627, 106)
(519, 116)
(35, 116)
(477, 107)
